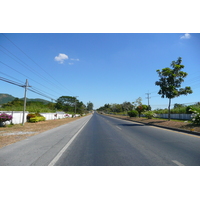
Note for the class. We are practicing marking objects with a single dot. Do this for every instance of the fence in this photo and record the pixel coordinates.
(175, 116)
(18, 115)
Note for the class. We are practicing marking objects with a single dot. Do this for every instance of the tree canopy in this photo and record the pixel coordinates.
(170, 82)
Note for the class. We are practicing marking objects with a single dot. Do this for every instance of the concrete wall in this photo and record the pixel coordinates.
(18, 115)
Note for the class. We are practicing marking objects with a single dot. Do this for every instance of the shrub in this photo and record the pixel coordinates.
(5, 117)
(149, 114)
(189, 109)
(29, 116)
(195, 116)
(37, 119)
(133, 113)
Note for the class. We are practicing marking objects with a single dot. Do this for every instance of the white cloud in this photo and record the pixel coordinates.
(74, 59)
(186, 36)
(71, 63)
(61, 57)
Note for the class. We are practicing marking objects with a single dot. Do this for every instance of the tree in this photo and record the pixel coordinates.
(89, 106)
(170, 82)
(141, 108)
(127, 106)
(137, 102)
(66, 103)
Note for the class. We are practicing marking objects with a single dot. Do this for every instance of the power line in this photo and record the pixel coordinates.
(35, 62)
(21, 85)
(26, 76)
(27, 66)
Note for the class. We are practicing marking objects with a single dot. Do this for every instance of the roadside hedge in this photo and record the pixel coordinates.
(35, 117)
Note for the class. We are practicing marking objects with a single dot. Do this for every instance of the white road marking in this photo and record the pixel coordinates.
(118, 127)
(178, 163)
(53, 162)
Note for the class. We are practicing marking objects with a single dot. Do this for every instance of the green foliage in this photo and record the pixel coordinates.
(149, 114)
(195, 116)
(127, 106)
(37, 119)
(90, 106)
(68, 104)
(170, 82)
(133, 113)
(141, 108)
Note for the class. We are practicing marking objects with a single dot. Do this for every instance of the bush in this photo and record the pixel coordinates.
(37, 119)
(189, 109)
(149, 114)
(5, 117)
(195, 116)
(133, 113)
(29, 116)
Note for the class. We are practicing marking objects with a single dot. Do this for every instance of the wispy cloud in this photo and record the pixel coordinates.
(74, 59)
(71, 63)
(185, 36)
(61, 57)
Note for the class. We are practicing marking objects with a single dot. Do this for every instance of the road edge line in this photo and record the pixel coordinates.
(56, 158)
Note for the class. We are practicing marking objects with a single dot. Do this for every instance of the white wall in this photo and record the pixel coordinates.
(18, 115)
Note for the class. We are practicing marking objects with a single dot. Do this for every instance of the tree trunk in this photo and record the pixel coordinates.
(169, 110)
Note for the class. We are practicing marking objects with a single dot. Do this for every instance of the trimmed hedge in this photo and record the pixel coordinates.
(37, 119)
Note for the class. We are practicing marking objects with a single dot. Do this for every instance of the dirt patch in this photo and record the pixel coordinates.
(17, 132)
(185, 125)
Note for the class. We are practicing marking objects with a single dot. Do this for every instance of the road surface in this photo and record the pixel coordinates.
(99, 140)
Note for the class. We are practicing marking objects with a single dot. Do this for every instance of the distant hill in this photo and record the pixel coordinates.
(5, 98)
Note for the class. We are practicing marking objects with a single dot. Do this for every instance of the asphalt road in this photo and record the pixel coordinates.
(106, 141)
(98, 140)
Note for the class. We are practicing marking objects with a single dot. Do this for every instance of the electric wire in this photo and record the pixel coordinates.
(30, 70)
(21, 85)
(25, 76)
(36, 63)
(34, 88)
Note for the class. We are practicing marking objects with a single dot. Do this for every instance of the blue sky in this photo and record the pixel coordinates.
(98, 67)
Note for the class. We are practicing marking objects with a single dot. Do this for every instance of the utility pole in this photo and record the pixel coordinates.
(25, 101)
(75, 105)
(148, 98)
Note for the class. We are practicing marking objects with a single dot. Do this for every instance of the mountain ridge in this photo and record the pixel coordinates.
(5, 98)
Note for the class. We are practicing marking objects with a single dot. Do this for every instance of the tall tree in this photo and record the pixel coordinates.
(66, 103)
(90, 106)
(127, 106)
(170, 82)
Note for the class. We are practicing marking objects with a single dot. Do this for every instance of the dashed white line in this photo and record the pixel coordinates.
(178, 163)
(118, 127)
